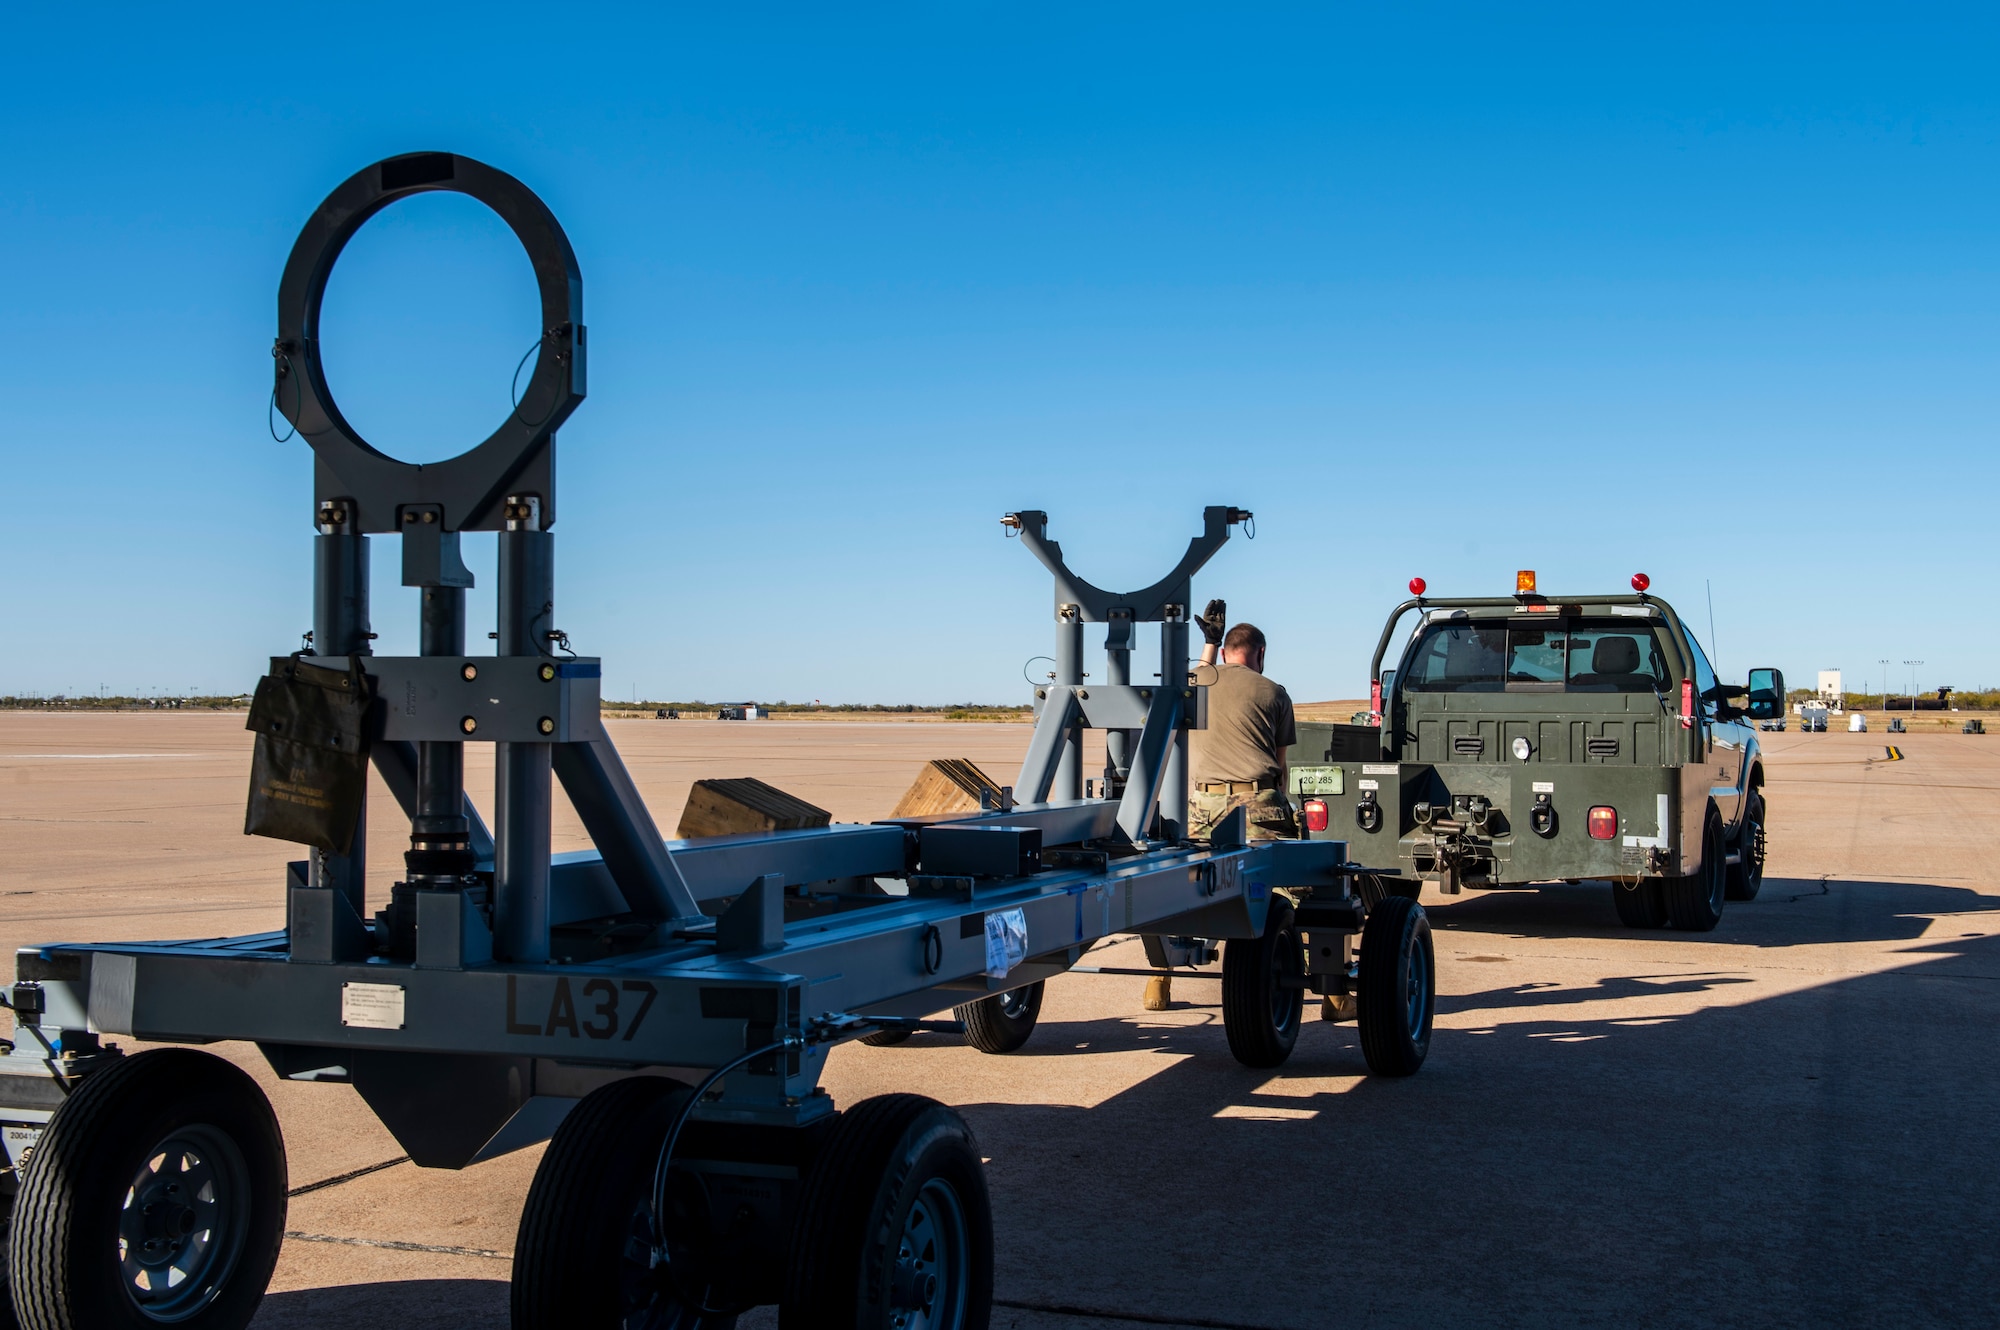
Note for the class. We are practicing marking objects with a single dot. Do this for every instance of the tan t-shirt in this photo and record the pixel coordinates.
(1249, 724)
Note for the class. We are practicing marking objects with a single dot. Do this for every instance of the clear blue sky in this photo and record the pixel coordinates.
(1432, 291)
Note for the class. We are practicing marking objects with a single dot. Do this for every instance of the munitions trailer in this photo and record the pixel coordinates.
(662, 1010)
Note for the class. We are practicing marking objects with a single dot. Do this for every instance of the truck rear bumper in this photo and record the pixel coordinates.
(1488, 824)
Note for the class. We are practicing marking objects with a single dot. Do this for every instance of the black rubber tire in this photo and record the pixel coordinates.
(1641, 905)
(1694, 902)
(1374, 888)
(1397, 995)
(1260, 1014)
(887, 1038)
(881, 1159)
(8, 1321)
(63, 1261)
(1002, 1023)
(1746, 875)
(588, 1203)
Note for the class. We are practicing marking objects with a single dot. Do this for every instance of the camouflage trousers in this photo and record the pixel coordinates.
(1268, 813)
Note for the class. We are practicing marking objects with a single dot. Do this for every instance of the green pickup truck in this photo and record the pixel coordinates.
(1533, 739)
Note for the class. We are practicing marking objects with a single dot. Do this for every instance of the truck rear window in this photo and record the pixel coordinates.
(1582, 656)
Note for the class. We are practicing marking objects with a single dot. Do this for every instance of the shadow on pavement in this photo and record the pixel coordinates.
(1827, 1156)
(1788, 912)
(407, 1304)
(1608, 989)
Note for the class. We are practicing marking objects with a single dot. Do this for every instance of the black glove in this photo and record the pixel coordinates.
(1214, 621)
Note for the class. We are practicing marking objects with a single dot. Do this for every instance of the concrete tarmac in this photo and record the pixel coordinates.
(1794, 1120)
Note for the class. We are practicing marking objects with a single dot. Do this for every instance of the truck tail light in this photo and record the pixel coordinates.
(1687, 704)
(1603, 822)
(1315, 815)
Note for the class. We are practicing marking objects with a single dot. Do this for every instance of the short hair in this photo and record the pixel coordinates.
(1244, 637)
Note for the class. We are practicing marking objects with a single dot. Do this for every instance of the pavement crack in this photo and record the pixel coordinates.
(482, 1252)
(1125, 1318)
(348, 1176)
(1824, 890)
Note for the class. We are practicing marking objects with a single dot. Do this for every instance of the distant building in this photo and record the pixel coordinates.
(1829, 686)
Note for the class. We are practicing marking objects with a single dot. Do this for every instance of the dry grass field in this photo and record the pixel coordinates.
(1792, 1121)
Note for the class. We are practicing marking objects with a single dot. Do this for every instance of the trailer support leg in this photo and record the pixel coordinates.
(522, 795)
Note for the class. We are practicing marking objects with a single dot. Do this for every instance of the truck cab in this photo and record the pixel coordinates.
(1531, 739)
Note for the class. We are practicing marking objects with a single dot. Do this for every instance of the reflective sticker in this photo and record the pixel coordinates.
(1006, 941)
(372, 1006)
(1658, 842)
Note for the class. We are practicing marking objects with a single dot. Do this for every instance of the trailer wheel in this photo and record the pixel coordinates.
(887, 1038)
(1398, 990)
(1263, 990)
(894, 1228)
(1694, 902)
(156, 1197)
(582, 1254)
(8, 1321)
(1373, 888)
(1746, 875)
(1641, 904)
(1003, 1022)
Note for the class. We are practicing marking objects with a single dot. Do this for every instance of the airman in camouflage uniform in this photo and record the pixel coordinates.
(1239, 760)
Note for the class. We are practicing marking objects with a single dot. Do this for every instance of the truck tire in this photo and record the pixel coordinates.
(1694, 902)
(1398, 990)
(1641, 904)
(1003, 1022)
(156, 1196)
(1746, 875)
(1263, 990)
(894, 1224)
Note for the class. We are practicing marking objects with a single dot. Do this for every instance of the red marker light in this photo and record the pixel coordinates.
(1640, 581)
(1603, 822)
(1417, 585)
(1316, 815)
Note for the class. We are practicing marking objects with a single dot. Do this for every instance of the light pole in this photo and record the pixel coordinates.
(1885, 685)
(1913, 684)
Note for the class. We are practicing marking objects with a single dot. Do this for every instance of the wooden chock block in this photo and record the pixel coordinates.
(732, 807)
(947, 785)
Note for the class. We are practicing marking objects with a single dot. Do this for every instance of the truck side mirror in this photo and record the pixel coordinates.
(1767, 694)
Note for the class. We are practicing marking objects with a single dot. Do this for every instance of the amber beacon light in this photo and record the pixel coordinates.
(1524, 582)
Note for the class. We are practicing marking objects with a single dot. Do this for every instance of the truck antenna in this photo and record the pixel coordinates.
(1710, 588)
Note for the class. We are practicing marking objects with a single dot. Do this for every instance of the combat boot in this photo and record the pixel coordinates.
(1159, 992)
